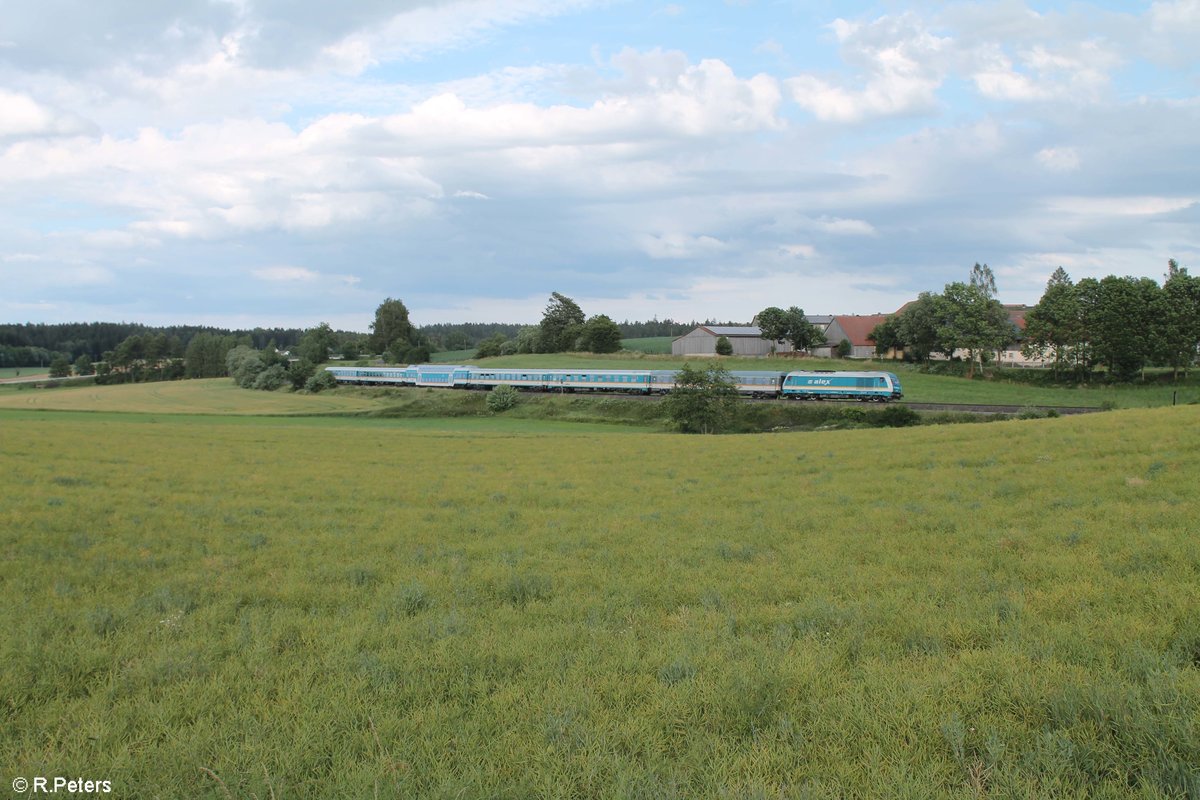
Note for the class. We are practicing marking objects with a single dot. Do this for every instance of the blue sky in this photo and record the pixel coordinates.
(251, 162)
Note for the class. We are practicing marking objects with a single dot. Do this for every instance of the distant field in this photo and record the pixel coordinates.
(660, 345)
(344, 609)
(212, 396)
(24, 372)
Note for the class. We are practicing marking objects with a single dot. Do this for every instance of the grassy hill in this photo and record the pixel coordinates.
(354, 609)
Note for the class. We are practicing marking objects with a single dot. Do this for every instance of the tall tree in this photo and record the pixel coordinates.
(1177, 319)
(561, 324)
(974, 322)
(317, 343)
(1122, 332)
(1054, 324)
(984, 280)
(391, 325)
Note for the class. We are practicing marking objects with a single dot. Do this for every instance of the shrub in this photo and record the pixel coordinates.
(898, 417)
(502, 398)
(271, 378)
(323, 379)
(724, 348)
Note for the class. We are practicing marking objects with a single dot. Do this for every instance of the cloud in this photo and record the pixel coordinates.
(22, 117)
(1059, 159)
(283, 274)
(901, 62)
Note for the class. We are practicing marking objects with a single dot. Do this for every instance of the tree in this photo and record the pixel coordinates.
(791, 326)
(491, 347)
(844, 348)
(83, 365)
(703, 400)
(527, 339)
(317, 343)
(600, 335)
(60, 367)
(983, 280)
(1121, 330)
(1177, 319)
(724, 347)
(1053, 325)
(300, 372)
(244, 365)
(919, 327)
(886, 336)
(391, 325)
(205, 355)
(561, 325)
(974, 322)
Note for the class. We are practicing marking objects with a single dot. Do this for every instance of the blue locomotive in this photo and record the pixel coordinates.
(796, 385)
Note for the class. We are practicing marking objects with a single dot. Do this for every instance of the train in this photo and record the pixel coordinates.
(866, 386)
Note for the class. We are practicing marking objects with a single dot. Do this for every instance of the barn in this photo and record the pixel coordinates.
(746, 341)
(854, 329)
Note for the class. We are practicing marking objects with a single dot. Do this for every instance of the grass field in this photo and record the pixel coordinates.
(210, 396)
(351, 608)
(12, 372)
(658, 345)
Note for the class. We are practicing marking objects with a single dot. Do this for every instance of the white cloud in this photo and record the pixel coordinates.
(1059, 159)
(799, 250)
(285, 274)
(846, 227)
(680, 245)
(902, 64)
(1134, 206)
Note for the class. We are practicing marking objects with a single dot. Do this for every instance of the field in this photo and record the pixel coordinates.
(651, 344)
(212, 396)
(339, 607)
(22, 372)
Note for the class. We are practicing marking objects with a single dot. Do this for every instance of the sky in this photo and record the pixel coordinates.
(287, 162)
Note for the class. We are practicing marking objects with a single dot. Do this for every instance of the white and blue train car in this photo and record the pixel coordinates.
(381, 376)
(876, 386)
(754, 383)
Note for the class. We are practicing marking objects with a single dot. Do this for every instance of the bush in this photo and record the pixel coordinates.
(271, 378)
(502, 398)
(899, 417)
(321, 380)
(724, 348)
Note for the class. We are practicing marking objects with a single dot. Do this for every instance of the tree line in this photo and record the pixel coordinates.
(1119, 325)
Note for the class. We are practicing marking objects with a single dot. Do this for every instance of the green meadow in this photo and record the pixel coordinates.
(281, 607)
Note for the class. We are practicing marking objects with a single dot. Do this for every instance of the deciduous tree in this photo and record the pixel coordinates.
(391, 325)
(703, 400)
(561, 325)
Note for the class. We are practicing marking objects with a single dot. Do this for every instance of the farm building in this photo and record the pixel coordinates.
(747, 340)
(853, 328)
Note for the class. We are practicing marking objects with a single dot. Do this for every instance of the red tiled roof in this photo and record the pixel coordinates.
(857, 327)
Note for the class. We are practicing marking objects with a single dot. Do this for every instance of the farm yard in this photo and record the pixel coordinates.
(285, 606)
